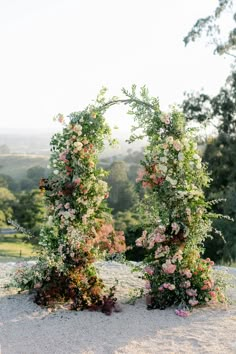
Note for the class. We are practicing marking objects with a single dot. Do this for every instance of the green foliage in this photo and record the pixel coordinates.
(221, 111)
(211, 26)
(222, 107)
(13, 245)
(6, 201)
(130, 223)
(126, 219)
(220, 155)
(222, 248)
(16, 165)
(29, 212)
(122, 194)
(8, 182)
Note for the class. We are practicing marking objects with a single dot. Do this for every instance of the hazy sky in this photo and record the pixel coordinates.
(57, 54)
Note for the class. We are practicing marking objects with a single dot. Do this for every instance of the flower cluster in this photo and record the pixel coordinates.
(79, 223)
(176, 219)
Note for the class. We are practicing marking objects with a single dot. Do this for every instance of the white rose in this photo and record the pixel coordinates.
(180, 156)
(50, 220)
(78, 145)
(198, 165)
(170, 139)
(163, 159)
(163, 168)
(196, 157)
(78, 127)
(173, 182)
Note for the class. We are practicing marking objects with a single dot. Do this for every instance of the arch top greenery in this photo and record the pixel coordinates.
(175, 215)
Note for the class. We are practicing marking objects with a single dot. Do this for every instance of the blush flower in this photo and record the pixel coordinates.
(187, 273)
(168, 267)
(159, 238)
(149, 270)
(141, 173)
(186, 284)
(147, 285)
(77, 181)
(193, 302)
(191, 292)
(177, 145)
(182, 313)
(161, 251)
(169, 286)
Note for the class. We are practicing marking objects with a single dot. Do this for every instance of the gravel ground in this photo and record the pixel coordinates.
(26, 328)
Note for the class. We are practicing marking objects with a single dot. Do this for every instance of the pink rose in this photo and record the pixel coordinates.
(149, 270)
(174, 226)
(141, 173)
(77, 181)
(177, 145)
(182, 313)
(151, 244)
(191, 292)
(186, 284)
(212, 294)
(147, 285)
(161, 229)
(169, 286)
(177, 256)
(193, 302)
(160, 238)
(168, 267)
(161, 251)
(146, 184)
(187, 273)
(139, 242)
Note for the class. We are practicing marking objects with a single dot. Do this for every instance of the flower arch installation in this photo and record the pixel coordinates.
(176, 217)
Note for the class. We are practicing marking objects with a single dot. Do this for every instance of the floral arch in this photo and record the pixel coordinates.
(176, 217)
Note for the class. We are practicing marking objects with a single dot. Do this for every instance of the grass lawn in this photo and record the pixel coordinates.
(13, 248)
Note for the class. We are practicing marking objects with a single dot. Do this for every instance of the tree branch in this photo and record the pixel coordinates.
(126, 101)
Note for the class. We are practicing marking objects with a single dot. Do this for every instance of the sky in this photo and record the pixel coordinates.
(57, 54)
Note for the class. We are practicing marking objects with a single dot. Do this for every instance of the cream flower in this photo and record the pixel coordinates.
(173, 182)
(78, 145)
(180, 156)
(163, 168)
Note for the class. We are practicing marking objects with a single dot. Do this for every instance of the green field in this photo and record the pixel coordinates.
(16, 165)
(13, 248)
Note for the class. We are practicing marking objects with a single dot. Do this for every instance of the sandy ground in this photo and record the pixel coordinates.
(26, 328)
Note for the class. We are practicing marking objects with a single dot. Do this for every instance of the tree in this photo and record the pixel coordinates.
(29, 212)
(6, 200)
(211, 26)
(220, 152)
(36, 172)
(122, 194)
(33, 176)
(8, 182)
